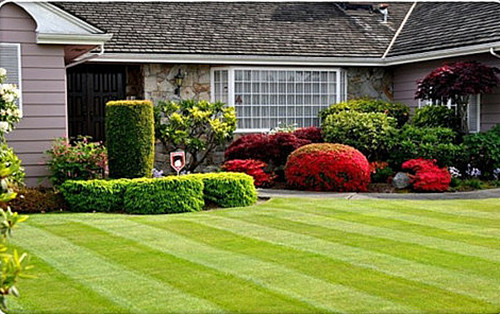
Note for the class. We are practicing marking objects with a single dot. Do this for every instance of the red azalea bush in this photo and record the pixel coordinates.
(254, 168)
(427, 176)
(328, 167)
(272, 149)
(313, 134)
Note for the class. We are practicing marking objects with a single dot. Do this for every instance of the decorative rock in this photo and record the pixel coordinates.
(401, 180)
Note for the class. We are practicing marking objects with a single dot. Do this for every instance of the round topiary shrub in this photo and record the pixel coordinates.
(328, 167)
(130, 138)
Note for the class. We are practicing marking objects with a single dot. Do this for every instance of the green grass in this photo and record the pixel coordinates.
(285, 255)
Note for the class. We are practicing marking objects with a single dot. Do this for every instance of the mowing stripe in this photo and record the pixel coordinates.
(324, 296)
(473, 286)
(331, 222)
(227, 291)
(425, 221)
(129, 289)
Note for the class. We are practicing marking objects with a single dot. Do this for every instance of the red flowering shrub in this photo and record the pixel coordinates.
(272, 149)
(426, 176)
(312, 134)
(254, 168)
(328, 167)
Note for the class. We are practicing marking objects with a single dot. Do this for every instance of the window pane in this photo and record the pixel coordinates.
(264, 98)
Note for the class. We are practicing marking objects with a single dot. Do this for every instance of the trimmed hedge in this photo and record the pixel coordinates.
(160, 196)
(95, 195)
(130, 138)
(164, 196)
(228, 189)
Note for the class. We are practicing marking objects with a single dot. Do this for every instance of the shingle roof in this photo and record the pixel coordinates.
(436, 26)
(241, 28)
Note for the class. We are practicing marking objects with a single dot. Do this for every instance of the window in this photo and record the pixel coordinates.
(266, 97)
(473, 111)
(10, 60)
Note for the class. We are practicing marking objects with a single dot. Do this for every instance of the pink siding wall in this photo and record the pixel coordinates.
(406, 77)
(44, 92)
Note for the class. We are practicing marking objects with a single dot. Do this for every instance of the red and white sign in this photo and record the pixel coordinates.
(177, 161)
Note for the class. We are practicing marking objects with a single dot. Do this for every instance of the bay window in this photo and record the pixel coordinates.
(266, 97)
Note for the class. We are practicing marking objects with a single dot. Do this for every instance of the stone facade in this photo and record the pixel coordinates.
(369, 82)
(159, 81)
(134, 82)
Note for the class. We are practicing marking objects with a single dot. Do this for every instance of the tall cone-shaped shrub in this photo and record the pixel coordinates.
(130, 138)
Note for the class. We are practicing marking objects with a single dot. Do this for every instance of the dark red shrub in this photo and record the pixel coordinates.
(328, 167)
(254, 168)
(426, 176)
(251, 146)
(313, 134)
(273, 149)
(282, 145)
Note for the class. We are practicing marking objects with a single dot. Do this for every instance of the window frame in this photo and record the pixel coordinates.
(19, 73)
(340, 79)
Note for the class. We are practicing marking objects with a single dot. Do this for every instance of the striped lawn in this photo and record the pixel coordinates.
(284, 255)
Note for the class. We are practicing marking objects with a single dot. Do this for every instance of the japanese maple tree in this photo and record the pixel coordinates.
(457, 82)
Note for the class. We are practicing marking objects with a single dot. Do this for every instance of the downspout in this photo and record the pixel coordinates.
(95, 55)
(493, 53)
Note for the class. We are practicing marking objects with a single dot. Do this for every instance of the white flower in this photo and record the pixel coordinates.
(4, 127)
(496, 174)
(8, 97)
(473, 172)
(455, 173)
(3, 72)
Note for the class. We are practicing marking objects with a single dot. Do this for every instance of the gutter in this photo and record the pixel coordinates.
(493, 53)
(88, 58)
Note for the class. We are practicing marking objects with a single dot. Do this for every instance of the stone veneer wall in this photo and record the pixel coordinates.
(369, 82)
(159, 82)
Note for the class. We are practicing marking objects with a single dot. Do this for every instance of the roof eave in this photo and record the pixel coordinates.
(72, 39)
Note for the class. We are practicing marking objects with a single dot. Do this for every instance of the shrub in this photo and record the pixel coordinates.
(273, 149)
(312, 134)
(328, 167)
(436, 117)
(9, 110)
(197, 127)
(8, 157)
(95, 195)
(371, 133)
(164, 195)
(228, 189)
(130, 138)
(412, 142)
(426, 176)
(398, 111)
(252, 167)
(36, 200)
(380, 171)
(81, 160)
(483, 150)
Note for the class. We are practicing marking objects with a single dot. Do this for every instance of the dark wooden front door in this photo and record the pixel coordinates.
(90, 87)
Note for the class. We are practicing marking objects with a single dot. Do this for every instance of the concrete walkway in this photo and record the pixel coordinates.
(481, 194)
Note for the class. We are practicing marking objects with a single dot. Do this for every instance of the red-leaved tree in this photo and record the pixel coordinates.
(456, 82)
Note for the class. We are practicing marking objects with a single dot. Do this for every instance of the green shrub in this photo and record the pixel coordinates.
(429, 143)
(435, 117)
(228, 189)
(82, 160)
(95, 195)
(483, 150)
(398, 111)
(196, 127)
(130, 138)
(371, 133)
(164, 196)
(8, 157)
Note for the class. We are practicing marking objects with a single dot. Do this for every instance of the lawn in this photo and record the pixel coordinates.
(284, 255)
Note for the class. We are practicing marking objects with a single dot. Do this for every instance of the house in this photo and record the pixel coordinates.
(274, 61)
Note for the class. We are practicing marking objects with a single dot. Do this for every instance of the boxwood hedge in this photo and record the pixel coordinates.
(130, 138)
(160, 196)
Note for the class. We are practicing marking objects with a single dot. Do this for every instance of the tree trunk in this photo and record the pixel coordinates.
(462, 104)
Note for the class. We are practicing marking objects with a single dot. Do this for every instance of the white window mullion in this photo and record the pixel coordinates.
(10, 60)
(337, 85)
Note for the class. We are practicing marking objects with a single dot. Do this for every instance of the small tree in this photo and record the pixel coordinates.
(457, 82)
(197, 127)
